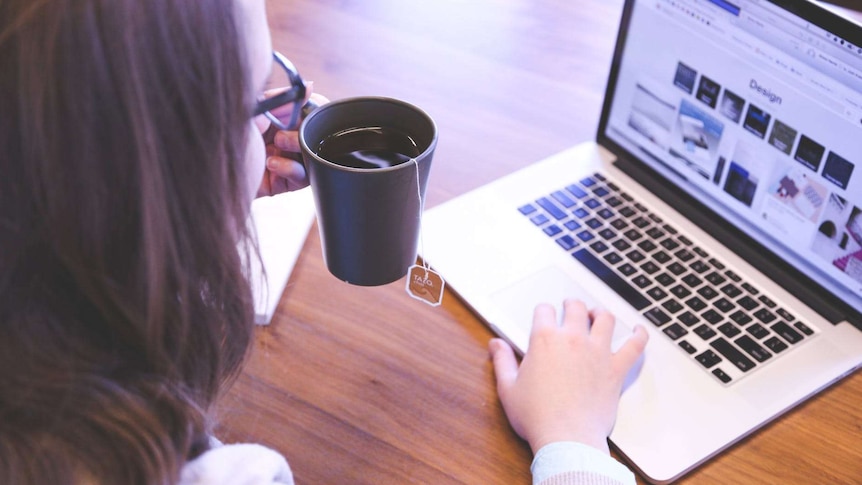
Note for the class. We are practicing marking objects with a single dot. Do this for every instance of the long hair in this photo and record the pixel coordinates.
(124, 306)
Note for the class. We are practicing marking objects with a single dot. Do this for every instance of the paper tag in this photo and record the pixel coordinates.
(424, 284)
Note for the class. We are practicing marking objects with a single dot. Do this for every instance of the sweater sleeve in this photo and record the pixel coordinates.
(571, 463)
(237, 464)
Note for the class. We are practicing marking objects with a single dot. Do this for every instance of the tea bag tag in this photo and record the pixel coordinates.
(425, 284)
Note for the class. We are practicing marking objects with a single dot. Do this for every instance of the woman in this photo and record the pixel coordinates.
(130, 149)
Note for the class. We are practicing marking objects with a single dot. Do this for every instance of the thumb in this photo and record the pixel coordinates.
(505, 364)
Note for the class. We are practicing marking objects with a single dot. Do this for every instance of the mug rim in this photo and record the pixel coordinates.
(332, 104)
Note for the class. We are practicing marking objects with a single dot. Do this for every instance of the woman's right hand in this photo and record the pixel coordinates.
(568, 385)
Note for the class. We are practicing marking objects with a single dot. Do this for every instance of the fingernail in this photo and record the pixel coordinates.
(271, 163)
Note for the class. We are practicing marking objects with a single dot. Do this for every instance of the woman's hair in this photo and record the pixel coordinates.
(124, 306)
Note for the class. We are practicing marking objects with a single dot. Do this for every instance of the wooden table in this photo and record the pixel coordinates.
(366, 385)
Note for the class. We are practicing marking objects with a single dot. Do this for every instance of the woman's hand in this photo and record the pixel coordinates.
(284, 169)
(568, 385)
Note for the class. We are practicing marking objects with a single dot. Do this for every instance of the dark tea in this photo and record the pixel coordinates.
(368, 147)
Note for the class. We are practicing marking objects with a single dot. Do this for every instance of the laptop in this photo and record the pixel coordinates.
(720, 206)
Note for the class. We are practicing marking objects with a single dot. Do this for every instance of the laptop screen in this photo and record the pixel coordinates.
(755, 111)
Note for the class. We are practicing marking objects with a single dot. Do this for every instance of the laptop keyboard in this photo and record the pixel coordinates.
(724, 323)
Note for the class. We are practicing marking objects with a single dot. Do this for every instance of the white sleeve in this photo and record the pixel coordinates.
(569, 462)
(239, 464)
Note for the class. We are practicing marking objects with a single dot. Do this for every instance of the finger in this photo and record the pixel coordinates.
(287, 141)
(544, 315)
(603, 326)
(505, 364)
(576, 316)
(286, 174)
(631, 350)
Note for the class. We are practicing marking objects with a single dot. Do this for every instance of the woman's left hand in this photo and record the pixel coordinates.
(284, 169)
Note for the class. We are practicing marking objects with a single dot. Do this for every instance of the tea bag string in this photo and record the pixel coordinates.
(421, 210)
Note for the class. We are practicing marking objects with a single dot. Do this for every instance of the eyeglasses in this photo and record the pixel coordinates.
(295, 94)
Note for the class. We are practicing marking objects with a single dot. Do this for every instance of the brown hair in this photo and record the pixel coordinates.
(123, 302)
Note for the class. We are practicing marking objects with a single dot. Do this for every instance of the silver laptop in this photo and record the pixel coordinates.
(720, 206)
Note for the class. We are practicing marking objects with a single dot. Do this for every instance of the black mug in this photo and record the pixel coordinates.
(368, 198)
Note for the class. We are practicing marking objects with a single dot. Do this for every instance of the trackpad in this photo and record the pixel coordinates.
(551, 286)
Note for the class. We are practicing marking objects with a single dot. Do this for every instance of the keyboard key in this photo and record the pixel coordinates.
(640, 222)
(787, 332)
(675, 331)
(669, 244)
(785, 314)
(599, 247)
(627, 211)
(803, 328)
(601, 191)
(689, 348)
(588, 182)
(676, 268)
(650, 268)
(695, 304)
(635, 256)
(712, 316)
(592, 203)
(700, 252)
(708, 359)
(613, 258)
(699, 266)
(613, 201)
(665, 279)
(753, 349)
(729, 330)
(657, 317)
(705, 332)
(647, 245)
(641, 207)
(722, 376)
(567, 242)
(758, 331)
(747, 302)
(633, 234)
(576, 191)
(627, 269)
(707, 292)
(599, 176)
(621, 244)
(718, 265)
(655, 218)
(670, 229)
(724, 305)
(552, 230)
(655, 233)
(585, 236)
(551, 208)
(626, 196)
(684, 254)
(684, 240)
(563, 199)
(662, 257)
(765, 315)
(691, 280)
(613, 187)
(656, 293)
(580, 213)
(572, 225)
(539, 219)
(619, 224)
(750, 288)
(605, 213)
(593, 223)
(680, 291)
(606, 274)
(607, 234)
(766, 301)
(527, 209)
(731, 290)
(641, 281)
(715, 278)
(688, 318)
(730, 353)
(740, 317)
(672, 306)
(775, 344)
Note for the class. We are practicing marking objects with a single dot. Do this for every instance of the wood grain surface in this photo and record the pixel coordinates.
(366, 385)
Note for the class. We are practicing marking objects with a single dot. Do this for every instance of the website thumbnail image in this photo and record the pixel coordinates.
(761, 165)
